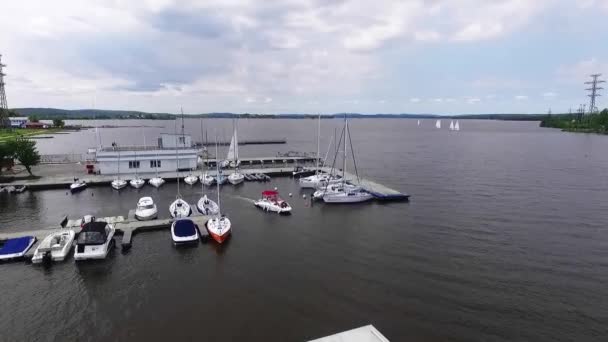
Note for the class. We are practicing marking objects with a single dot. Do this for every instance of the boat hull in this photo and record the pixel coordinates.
(344, 198)
(156, 182)
(137, 183)
(95, 252)
(219, 229)
(79, 188)
(55, 254)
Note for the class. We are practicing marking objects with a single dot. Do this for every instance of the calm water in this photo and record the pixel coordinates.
(504, 239)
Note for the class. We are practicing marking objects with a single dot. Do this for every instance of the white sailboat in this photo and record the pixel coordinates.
(137, 182)
(179, 208)
(457, 126)
(438, 124)
(219, 227)
(119, 183)
(204, 205)
(236, 177)
(418, 122)
(452, 125)
(349, 194)
(156, 181)
(318, 179)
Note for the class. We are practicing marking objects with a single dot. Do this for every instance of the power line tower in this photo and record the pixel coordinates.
(3, 104)
(594, 91)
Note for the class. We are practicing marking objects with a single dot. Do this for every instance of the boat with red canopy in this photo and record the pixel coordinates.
(271, 201)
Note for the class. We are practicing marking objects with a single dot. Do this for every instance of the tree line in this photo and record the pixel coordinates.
(594, 123)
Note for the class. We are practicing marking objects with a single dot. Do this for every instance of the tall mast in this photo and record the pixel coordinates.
(176, 158)
(203, 166)
(318, 143)
(217, 180)
(344, 155)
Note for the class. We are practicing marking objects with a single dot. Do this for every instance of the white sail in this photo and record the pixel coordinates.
(452, 125)
(231, 151)
(457, 126)
(438, 124)
(418, 122)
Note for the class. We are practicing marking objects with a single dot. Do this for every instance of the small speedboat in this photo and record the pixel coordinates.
(118, 184)
(94, 241)
(207, 179)
(219, 228)
(180, 208)
(262, 177)
(271, 201)
(54, 247)
(16, 247)
(348, 196)
(146, 209)
(156, 182)
(77, 186)
(191, 179)
(206, 206)
(184, 231)
(137, 182)
(236, 178)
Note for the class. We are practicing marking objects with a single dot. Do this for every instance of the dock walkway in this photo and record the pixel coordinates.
(379, 191)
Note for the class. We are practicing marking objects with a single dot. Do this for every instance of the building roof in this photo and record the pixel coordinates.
(20, 118)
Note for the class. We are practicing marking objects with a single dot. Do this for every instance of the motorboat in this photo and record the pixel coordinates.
(156, 181)
(262, 177)
(206, 206)
(180, 208)
(184, 231)
(299, 172)
(16, 247)
(94, 241)
(146, 209)
(271, 201)
(77, 186)
(347, 196)
(236, 178)
(333, 188)
(207, 179)
(248, 177)
(137, 182)
(54, 247)
(118, 184)
(219, 228)
(190, 179)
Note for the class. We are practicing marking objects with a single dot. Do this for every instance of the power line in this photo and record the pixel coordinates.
(3, 104)
(594, 91)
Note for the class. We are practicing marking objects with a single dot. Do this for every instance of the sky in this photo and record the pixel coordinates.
(304, 56)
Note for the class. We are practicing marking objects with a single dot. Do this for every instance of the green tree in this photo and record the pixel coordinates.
(33, 118)
(5, 152)
(58, 123)
(24, 150)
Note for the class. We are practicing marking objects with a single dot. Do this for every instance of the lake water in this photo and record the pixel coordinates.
(504, 239)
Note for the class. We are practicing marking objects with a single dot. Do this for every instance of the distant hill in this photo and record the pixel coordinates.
(86, 114)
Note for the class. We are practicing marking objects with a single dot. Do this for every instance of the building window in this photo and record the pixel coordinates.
(154, 163)
(182, 140)
(134, 164)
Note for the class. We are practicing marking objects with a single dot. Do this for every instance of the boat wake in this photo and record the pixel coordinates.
(245, 199)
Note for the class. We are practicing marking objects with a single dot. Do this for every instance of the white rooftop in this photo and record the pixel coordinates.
(364, 334)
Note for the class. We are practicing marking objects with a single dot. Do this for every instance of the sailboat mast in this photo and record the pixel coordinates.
(318, 143)
(203, 166)
(344, 155)
(217, 180)
(176, 158)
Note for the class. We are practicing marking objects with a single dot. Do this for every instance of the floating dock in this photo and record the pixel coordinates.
(367, 333)
(379, 191)
(125, 227)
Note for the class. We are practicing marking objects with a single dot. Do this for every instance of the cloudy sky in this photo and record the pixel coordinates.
(304, 56)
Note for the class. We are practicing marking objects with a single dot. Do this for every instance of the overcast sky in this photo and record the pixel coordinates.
(304, 56)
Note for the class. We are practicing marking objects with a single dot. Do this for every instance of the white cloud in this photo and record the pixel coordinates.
(580, 71)
(521, 97)
(438, 100)
(250, 99)
(267, 100)
(549, 94)
(415, 100)
(473, 100)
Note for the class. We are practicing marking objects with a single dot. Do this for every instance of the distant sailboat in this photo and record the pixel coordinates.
(438, 124)
(452, 125)
(457, 126)
(418, 122)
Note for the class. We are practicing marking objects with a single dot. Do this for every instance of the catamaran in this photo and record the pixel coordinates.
(236, 177)
(119, 183)
(219, 226)
(349, 194)
(179, 208)
(54, 247)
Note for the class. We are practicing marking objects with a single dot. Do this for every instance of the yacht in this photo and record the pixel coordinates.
(236, 177)
(271, 201)
(146, 209)
(137, 182)
(118, 184)
(190, 179)
(156, 181)
(94, 241)
(219, 226)
(233, 155)
(180, 208)
(184, 231)
(54, 247)
(77, 186)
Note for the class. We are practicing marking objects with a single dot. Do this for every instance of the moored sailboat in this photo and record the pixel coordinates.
(219, 226)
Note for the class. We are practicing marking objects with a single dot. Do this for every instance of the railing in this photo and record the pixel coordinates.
(61, 158)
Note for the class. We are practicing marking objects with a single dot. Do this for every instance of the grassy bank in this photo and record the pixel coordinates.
(596, 123)
(7, 134)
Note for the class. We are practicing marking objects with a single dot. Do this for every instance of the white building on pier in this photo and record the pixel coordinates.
(173, 152)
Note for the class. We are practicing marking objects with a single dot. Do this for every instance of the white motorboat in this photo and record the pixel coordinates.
(271, 201)
(190, 179)
(78, 185)
(156, 181)
(347, 196)
(207, 179)
(118, 184)
(180, 208)
(206, 206)
(94, 241)
(184, 231)
(54, 247)
(146, 209)
(219, 228)
(236, 178)
(137, 182)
